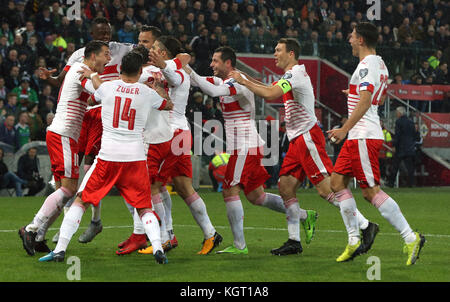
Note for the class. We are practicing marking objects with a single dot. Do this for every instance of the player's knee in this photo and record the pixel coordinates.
(256, 200)
(336, 185)
(286, 192)
(369, 195)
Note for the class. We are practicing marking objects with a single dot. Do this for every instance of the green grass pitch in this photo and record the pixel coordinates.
(426, 209)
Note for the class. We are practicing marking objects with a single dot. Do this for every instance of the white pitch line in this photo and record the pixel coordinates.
(246, 228)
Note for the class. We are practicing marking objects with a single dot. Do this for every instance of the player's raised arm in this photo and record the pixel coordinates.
(264, 91)
(214, 90)
(46, 75)
(163, 55)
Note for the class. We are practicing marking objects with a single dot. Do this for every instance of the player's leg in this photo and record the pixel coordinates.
(235, 215)
(167, 202)
(347, 205)
(95, 227)
(95, 185)
(50, 209)
(368, 229)
(288, 186)
(81, 145)
(69, 227)
(390, 210)
(151, 226)
(268, 200)
(93, 144)
(134, 185)
(198, 209)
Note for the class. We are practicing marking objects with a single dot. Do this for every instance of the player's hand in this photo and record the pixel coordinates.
(156, 59)
(155, 85)
(237, 76)
(337, 135)
(85, 73)
(184, 58)
(44, 73)
(346, 91)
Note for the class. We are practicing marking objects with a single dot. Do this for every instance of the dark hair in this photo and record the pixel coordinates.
(156, 32)
(368, 32)
(143, 51)
(172, 45)
(100, 20)
(95, 47)
(291, 45)
(227, 53)
(131, 63)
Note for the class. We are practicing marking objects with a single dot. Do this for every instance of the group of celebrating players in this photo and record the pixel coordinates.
(122, 108)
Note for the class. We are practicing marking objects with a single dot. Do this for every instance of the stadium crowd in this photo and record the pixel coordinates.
(414, 41)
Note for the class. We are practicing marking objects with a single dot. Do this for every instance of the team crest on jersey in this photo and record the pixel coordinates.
(287, 75)
(363, 72)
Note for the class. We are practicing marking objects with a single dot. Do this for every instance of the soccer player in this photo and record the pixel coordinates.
(359, 154)
(157, 140)
(245, 169)
(121, 161)
(306, 156)
(171, 158)
(62, 140)
(91, 130)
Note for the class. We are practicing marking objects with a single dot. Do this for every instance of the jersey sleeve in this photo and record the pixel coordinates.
(88, 86)
(212, 89)
(157, 101)
(98, 94)
(367, 76)
(173, 76)
(293, 80)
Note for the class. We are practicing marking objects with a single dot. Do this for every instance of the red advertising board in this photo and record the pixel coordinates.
(433, 135)
(419, 92)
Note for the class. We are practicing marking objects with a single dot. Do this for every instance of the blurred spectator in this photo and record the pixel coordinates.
(434, 59)
(442, 75)
(195, 105)
(7, 131)
(94, 7)
(385, 155)
(200, 45)
(26, 94)
(2, 111)
(35, 122)
(3, 90)
(404, 143)
(311, 47)
(28, 169)
(22, 131)
(6, 31)
(127, 34)
(44, 23)
(50, 51)
(8, 179)
(11, 104)
(425, 70)
(29, 31)
(11, 61)
(59, 42)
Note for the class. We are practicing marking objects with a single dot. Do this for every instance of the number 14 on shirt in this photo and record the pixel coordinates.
(128, 114)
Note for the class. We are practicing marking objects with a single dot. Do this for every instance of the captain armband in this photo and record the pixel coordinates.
(284, 85)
